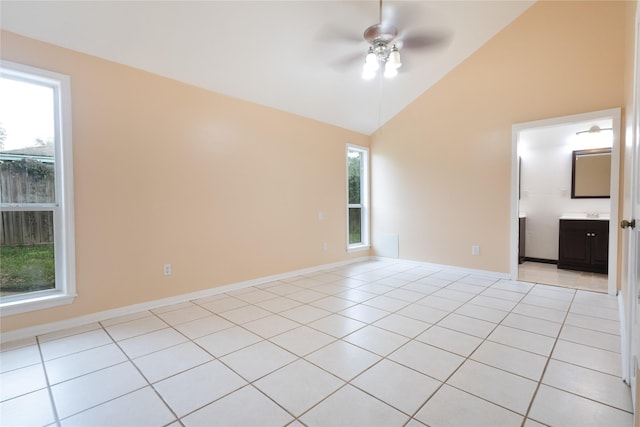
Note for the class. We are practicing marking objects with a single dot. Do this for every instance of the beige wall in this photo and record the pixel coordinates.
(227, 191)
(441, 169)
(222, 189)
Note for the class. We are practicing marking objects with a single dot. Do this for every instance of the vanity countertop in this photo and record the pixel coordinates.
(584, 216)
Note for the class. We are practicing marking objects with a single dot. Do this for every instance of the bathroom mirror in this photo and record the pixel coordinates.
(591, 174)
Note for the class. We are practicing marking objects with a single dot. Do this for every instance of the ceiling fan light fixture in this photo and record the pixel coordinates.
(368, 73)
(371, 61)
(390, 71)
(394, 57)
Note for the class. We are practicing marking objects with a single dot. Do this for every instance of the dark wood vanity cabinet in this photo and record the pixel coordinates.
(584, 245)
(522, 233)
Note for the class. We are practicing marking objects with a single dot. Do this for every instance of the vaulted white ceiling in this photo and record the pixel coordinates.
(304, 57)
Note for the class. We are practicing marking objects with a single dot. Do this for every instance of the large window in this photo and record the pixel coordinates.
(37, 268)
(357, 197)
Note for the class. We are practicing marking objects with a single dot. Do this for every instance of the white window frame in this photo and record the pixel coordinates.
(364, 198)
(62, 208)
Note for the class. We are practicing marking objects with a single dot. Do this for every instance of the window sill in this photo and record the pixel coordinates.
(34, 303)
(358, 248)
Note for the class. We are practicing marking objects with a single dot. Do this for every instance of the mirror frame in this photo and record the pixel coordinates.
(576, 154)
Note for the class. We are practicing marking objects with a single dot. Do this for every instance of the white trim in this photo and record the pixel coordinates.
(365, 242)
(63, 208)
(624, 340)
(358, 248)
(32, 331)
(614, 115)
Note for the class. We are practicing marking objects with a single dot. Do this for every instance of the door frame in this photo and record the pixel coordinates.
(614, 115)
(630, 295)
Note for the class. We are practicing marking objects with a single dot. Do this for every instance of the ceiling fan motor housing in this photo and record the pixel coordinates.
(380, 37)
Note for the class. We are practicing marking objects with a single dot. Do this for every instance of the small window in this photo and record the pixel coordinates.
(36, 190)
(357, 197)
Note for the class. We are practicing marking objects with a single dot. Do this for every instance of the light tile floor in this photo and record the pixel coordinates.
(550, 274)
(377, 343)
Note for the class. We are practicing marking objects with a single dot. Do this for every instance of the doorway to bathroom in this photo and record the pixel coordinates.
(549, 211)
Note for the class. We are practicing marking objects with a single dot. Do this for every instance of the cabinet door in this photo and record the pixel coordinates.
(600, 246)
(574, 244)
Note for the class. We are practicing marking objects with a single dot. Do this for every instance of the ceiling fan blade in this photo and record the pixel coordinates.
(430, 40)
(400, 14)
(347, 62)
(331, 33)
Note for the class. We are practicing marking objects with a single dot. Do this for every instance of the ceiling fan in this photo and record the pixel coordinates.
(385, 43)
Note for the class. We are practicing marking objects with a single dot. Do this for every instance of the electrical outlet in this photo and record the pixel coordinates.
(325, 246)
(475, 250)
(167, 270)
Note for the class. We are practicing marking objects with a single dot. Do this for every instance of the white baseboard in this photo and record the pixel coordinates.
(46, 328)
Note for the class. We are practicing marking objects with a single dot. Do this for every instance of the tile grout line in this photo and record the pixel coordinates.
(54, 407)
(546, 365)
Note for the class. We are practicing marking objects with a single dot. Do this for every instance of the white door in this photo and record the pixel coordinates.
(631, 235)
